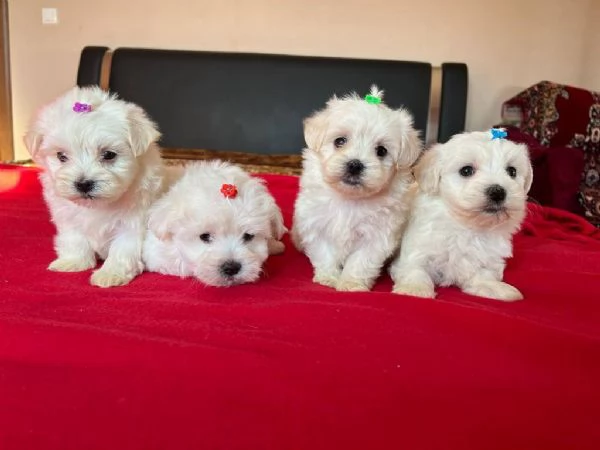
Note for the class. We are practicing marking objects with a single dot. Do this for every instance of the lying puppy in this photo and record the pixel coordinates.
(217, 223)
(101, 171)
(471, 200)
(352, 202)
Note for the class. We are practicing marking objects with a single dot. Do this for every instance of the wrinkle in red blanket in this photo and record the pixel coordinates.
(165, 363)
(553, 223)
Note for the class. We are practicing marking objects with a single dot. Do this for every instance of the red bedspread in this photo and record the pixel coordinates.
(165, 363)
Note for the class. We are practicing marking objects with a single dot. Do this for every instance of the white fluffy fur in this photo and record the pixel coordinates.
(110, 220)
(195, 206)
(349, 227)
(450, 239)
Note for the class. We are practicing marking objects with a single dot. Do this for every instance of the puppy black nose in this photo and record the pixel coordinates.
(354, 167)
(85, 186)
(230, 268)
(496, 193)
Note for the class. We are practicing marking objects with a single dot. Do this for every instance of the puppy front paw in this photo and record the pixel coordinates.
(353, 285)
(325, 278)
(106, 278)
(71, 265)
(423, 290)
(275, 247)
(497, 290)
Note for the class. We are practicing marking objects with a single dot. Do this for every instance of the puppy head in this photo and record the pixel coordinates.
(221, 221)
(90, 144)
(361, 145)
(484, 181)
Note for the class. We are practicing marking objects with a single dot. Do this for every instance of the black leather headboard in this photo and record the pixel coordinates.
(89, 71)
(453, 105)
(253, 102)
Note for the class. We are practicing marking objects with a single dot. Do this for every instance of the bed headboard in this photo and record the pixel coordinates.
(255, 103)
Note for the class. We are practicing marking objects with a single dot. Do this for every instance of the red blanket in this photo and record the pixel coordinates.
(165, 363)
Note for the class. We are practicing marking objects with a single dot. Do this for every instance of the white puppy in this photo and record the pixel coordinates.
(101, 171)
(471, 200)
(217, 223)
(352, 202)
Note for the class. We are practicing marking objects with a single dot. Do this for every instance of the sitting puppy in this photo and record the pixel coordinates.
(471, 200)
(101, 171)
(217, 223)
(352, 202)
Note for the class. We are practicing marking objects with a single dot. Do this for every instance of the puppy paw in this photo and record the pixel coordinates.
(497, 290)
(105, 278)
(353, 285)
(71, 265)
(414, 289)
(295, 237)
(275, 247)
(326, 279)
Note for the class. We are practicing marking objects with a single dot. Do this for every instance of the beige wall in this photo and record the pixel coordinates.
(591, 58)
(508, 45)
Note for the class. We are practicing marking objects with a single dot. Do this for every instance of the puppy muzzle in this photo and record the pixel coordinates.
(230, 268)
(85, 188)
(353, 172)
(496, 197)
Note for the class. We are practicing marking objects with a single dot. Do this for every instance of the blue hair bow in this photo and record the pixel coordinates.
(498, 133)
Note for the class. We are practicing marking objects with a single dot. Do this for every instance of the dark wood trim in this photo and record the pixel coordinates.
(6, 130)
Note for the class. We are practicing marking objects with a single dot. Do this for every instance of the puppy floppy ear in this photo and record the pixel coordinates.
(411, 145)
(315, 129)
(163, 218)
(33, 141)
(278, 229)
(428, 171)
(528, 173)
(528, 178)
(142, 130)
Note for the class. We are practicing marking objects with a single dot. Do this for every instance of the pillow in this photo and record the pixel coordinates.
(556, 172)
(534, 111)
(564, 116)
(554, 114)
(565, 166)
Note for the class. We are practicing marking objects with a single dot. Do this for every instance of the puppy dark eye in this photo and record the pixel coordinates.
(511, 171)
(205, 237)
(466, 171)
(247, 237)
(340, 142)
(381, 151)
(62, 157)
(107, 155)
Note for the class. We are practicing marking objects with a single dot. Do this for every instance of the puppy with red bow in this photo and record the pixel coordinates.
(217, 224)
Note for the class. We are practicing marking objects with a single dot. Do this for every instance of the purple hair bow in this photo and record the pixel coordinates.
(82, 107)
